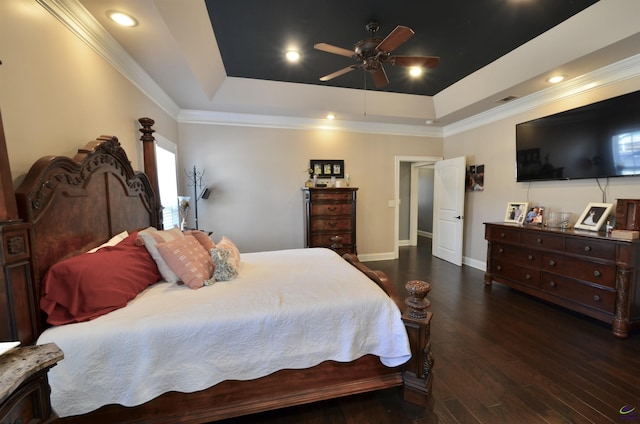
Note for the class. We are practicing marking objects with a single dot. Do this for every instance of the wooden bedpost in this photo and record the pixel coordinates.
(17, 311)
(418, 374)
(150, 165)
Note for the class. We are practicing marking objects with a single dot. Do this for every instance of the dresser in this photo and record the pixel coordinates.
(587, 272)
(24, 386)
(330, 218)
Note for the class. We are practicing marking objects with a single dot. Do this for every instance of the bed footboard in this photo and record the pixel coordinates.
(417, 374)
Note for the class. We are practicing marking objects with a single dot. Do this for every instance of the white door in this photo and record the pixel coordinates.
(448, 209)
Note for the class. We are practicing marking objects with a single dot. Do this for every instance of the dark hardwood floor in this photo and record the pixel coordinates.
(500, 357)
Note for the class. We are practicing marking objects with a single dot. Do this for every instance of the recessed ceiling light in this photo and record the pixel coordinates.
(331, 116)
(429, 121)
(556, 79)
(292, 55)
(415, 71)
(122, 18)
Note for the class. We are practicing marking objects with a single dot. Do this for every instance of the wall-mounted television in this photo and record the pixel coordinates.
(599, 140)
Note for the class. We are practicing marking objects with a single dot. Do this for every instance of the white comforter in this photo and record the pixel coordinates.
(287, 309)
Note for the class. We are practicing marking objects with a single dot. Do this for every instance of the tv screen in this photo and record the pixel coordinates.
(599, 140)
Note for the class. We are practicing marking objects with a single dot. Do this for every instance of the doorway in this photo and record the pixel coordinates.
(408, 197)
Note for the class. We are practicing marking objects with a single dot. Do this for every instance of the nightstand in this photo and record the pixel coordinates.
(24, 386)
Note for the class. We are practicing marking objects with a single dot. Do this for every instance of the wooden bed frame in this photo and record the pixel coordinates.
(66, 206)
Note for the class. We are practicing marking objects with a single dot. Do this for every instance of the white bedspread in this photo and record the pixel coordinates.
(287, 309)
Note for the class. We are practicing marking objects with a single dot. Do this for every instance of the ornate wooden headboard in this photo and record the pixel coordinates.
(75, 204)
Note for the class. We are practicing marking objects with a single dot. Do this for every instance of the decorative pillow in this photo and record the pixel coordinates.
(151, 237)
(202, 237)
(87, 286)
(112, 241)
(234, 253)
(188, 259)
(225, 268)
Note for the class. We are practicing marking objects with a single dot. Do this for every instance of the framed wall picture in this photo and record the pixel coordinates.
(535, 215)
(594, 216)
(327, 168)
(516, 212)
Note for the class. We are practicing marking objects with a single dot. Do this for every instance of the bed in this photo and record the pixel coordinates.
(75, 204)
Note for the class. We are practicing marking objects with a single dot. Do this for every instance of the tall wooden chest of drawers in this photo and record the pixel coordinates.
(330, 218)
(587, 272)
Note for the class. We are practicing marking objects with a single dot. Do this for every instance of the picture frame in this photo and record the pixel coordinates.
(325, 168)
(516, 212)
(534, 216)
(594, 215)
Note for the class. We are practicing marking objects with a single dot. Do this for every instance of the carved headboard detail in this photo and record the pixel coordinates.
(75, 204)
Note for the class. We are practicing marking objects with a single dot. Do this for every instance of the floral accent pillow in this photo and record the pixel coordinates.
(234, 253)
(225, 268)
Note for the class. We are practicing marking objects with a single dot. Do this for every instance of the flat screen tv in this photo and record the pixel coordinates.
(599, 140)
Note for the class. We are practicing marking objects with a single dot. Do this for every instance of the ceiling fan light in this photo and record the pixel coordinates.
(122, 18)
(331, 116)
(292, 55)
(415, 71)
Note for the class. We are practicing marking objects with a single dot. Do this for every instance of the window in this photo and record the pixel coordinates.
(167, 181)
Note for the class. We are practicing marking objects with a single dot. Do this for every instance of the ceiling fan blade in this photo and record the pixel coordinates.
(380, 78)
(334, 49)
(338, 73)
(421, 61)
(395, 38)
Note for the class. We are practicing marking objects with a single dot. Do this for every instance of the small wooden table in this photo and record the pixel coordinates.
(24, 386)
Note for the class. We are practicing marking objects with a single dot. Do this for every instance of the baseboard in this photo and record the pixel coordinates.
(371, 257)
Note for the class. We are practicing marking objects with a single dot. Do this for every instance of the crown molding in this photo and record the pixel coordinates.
(289, 122)
(77, 19)
(610, 74)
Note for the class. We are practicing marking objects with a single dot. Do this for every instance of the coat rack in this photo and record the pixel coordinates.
(194, 178)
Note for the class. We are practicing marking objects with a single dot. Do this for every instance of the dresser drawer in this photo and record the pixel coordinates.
(321, 224)
(331, 209)
(602, 274)
(331, 196)
(507, 269)
(503, 234)
(518, 255)
(324, 239)
(541, 240)
(576, 291)
(591, 248)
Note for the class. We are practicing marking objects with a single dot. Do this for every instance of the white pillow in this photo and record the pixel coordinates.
(151, 238)
(112, 241)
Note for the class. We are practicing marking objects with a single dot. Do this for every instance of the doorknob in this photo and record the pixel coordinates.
(458, 217)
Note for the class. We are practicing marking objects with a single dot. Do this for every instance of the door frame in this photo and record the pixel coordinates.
(422, 160)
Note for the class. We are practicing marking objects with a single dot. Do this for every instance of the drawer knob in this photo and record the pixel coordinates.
(539, 241)
(501, 250)
(596, 298)
(332, 208)
(596, 273)
(587, 248)
(499, 268)
(552, 283)
(332, 223)
(502, 235)
(552, 263)
(530, 257)
(527, 277)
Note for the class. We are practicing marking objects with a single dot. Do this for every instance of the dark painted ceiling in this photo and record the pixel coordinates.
(253, 35)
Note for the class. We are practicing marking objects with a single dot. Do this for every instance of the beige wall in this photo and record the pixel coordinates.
(56, 93)
(494, 146)
(257, 173)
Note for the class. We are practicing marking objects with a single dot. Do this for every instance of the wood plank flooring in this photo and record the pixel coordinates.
(500, 357)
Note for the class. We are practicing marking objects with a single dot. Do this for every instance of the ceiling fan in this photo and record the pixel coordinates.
(371, 53)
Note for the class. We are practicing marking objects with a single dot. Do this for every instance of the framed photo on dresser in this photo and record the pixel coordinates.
(594, 216)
